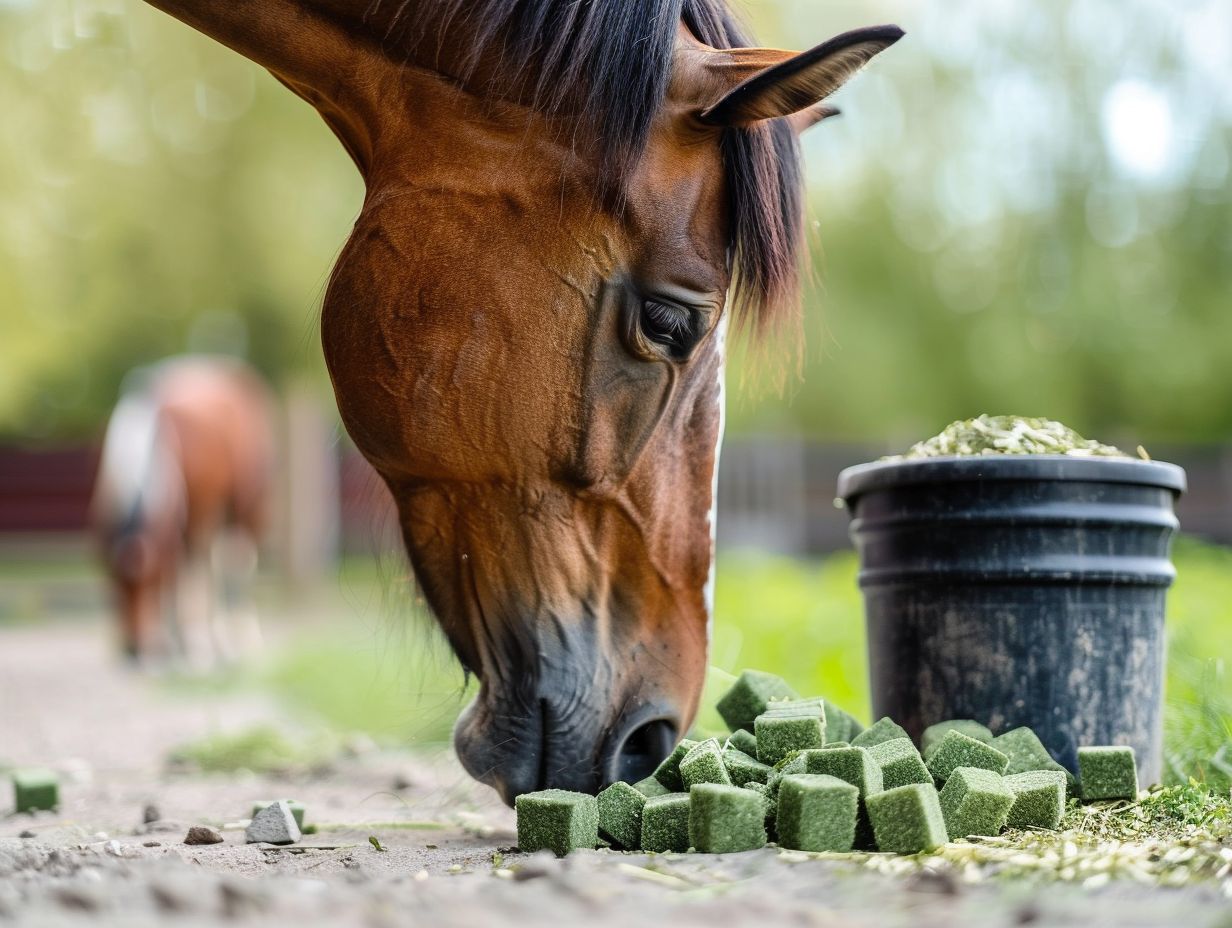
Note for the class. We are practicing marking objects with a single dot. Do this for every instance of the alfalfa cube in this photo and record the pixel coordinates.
(884, 729)
(748, 696)
(743, 740)
(975, 801)
(668, 772)
(620, 815)
(770, 797)
(779, 735)
(742, 769)
(934, 733)
(650, 787)
(725, 818)
(1039, 798)
(907, 819)
(851, 765)
(704, 764)
(840, 725)
(1107, 772)
(817, 812)
(813, 706)
(35, 790)
(1026, 752)
(899, 763)
(665, 823)
(557, 820)
(956, 750)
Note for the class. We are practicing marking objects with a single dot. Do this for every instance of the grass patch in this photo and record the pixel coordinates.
(261, 749)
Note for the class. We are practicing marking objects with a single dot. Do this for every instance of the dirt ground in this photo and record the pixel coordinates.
(65, 703)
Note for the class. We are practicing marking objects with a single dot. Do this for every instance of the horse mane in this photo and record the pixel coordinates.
(607, 64)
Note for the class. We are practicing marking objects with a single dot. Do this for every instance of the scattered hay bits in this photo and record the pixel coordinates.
(275, 824)
(884, 729)
(1026, 752)
(743, 769)
(668, 772)
(907, 819)
(724, 819)
(747, 698)
(620, 815)
(557, 820)
(779, 735)
(651, 787)
(817, 812)
(704, 764)
(975, 801)
(35, 790)
(665, 823)
(899, 763)
(743, 740)
(851, 765)
(934, 733)
(1107, 772)
(297, 809)
(1039, 799)
(956, 750)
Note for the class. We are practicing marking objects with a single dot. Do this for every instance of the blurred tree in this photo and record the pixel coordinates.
(1025, 209)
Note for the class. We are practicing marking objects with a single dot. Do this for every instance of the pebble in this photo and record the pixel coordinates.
(273, 825)
(202, 834)
(151, 844)
(150, 814)
(27, 834)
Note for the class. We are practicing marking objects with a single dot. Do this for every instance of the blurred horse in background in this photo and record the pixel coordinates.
(180, 505)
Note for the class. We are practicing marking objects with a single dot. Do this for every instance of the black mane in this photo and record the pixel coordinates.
(609, 62)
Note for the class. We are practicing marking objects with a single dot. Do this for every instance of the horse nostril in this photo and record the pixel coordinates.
(641, 751)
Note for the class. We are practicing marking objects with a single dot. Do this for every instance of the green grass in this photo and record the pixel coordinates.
(804, 620)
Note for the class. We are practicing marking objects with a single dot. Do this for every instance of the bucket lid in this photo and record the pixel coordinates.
(878, 475)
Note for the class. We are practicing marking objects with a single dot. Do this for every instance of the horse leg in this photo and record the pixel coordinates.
(235, 566)
(194, 605)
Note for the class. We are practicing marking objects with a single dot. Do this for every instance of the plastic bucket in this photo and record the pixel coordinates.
(1019, 590)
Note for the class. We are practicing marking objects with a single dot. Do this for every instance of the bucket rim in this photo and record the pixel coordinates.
(877, 475)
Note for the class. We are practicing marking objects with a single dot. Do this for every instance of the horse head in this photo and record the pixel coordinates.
(525, 331)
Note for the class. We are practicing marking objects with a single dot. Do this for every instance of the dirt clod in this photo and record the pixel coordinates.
(202, 834)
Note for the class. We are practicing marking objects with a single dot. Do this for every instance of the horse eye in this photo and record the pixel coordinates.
(673, 327)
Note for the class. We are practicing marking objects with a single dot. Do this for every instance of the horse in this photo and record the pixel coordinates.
(567, 202)
(181, 502)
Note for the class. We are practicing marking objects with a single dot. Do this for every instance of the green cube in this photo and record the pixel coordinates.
(35, 790)
(1107, 772)
(899, 763)
(840, 725)
(620, 815)
(747, 698)
(779, 735)
(724, 819)
(704, 764)
(557, 820)
(772, 803)
(1039, 799)
(1026, 752)
(956, 750)
(884, 729)
(975, 801)
(831, 745)
(934, 733)
(665, 823)
(651, 787)
(851, 765)
(743, 740)
(907, 819)
(813, 706)
(817, 812)
(297, 809)
(742, 769)
(668, 772)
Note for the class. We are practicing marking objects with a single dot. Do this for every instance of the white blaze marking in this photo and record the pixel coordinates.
(721, 336)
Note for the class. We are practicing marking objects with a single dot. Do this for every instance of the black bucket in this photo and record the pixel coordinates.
(1019, 590)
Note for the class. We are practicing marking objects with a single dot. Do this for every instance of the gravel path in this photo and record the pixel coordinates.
(65, 703)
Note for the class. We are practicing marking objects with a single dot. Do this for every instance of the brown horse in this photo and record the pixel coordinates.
(525, 330)
(180, 504)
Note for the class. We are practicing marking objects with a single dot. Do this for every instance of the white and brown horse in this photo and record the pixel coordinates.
(180, 504)
(566, 200)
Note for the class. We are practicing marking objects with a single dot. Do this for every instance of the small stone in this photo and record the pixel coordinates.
(273, 825)
(296, 807)
(401, 781)
(153, 843)
(27, 833)
(202, 834)
(150, 814)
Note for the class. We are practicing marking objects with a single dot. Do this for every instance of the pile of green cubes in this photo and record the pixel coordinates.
(809, 776)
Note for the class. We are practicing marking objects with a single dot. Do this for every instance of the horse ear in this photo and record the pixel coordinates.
(797, 84)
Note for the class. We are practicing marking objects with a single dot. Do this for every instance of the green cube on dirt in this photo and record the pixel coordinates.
(907, 819)
(975, 801)
(668, 772)
(1039, 798)
(1026, 752)
(749, 695)
(665, 823)
(724, 819)
(704, 764)
(35, 790)
(851, 765)
(779, 735)
(956, 750)
(557, 820)
(817, 812)
(1107, 772)
(620, 815)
